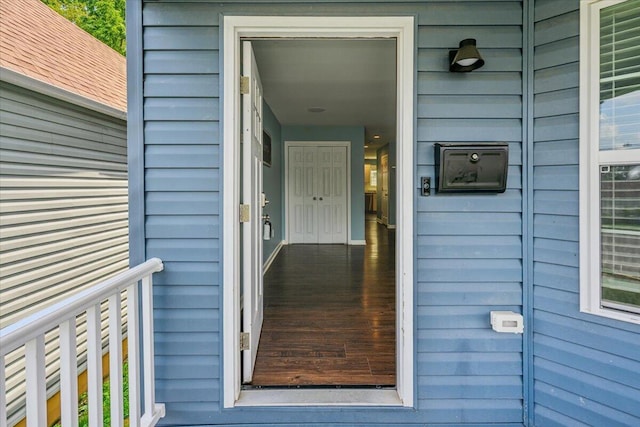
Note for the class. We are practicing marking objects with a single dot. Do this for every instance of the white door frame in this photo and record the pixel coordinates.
(401, 28)
(287, 144)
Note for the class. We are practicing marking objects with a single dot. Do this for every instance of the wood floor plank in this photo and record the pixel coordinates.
(329, 315)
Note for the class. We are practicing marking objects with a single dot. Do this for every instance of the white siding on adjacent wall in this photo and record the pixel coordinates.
(63, 210)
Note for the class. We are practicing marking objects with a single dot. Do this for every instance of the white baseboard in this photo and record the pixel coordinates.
(273, 256)
(379, 220)
(358, 242)
(391, 226)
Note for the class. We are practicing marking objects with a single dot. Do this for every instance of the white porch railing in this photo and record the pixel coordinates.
(30, 333)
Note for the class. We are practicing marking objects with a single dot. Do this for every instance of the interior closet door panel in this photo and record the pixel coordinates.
(318, 213)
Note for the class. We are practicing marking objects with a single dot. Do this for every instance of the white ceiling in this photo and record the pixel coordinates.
(353, 80)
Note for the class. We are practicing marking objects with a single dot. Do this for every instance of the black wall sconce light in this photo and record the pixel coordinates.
(466, 58)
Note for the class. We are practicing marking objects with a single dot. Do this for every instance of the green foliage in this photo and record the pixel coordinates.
(103, 19)
(83, 402)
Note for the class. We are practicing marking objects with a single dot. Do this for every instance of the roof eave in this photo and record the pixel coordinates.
(15, 78)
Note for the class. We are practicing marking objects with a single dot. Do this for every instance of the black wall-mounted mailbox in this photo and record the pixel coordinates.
(467, 168)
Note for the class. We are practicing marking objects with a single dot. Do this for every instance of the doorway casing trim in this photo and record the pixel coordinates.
(402, 28)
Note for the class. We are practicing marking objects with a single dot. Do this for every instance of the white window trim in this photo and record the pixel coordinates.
(402, 28)
(590, 159)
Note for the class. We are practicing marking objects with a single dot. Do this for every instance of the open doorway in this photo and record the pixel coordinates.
(329, 304)
(399, 29)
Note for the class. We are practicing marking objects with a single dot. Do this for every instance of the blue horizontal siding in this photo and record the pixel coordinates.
(556, 78)
(181, 62)
(186, 390)
(183, 226)
(469, 247)
(469, 293)
(188, 273)
(184, 132)
(558, 27)
(180, 38)
(584, 411)
(463, 273)
(455, 106)
(556, 227)
(562, 152)
(176, 86)
(192, 109)
(472, 410)
(183, 179)
(470, 340)
(556, 276)
(616, 368)
(186, 320)
(556, 202)
(183, 203)
(589, 334)
(470, 223)
(444, 317)
(472, 387)
(489, 37)
(188, 344)
(553, 54)
(180, 367)
(187, 296)
(585, 367)
(182, 156)
(184, 249)
(556, 103)
(468, 363)
(497, 83)
(459, 270)
(510, 201)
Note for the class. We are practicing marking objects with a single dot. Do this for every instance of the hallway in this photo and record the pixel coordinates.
(329, 315)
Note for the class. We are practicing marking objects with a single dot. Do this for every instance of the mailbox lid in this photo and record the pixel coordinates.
(465, 167)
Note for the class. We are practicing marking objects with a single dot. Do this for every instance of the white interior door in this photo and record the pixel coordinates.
(252, 288)
(332, 195)
(317, 193)
(303, 207)
(384, 196)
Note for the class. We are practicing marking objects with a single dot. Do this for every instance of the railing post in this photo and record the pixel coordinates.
(133, 337)
(68, 374)
(94, 365)
(36, 379)
(147, 346)
(115, 358)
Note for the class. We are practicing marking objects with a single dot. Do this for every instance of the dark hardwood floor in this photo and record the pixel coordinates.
(329, 315)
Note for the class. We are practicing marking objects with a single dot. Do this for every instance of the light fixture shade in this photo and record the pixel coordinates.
(466, 58)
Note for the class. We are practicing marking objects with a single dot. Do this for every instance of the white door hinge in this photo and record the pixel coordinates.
(245, 341)
(245, 83)
(245, 213)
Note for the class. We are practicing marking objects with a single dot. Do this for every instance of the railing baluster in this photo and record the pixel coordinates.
(133, 339)
(68, 374)
(30, 333)
(94, 366)
(36, 378)
(147, 345)
(115, 358)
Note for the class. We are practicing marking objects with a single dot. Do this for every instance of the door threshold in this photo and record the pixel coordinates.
(319, 397)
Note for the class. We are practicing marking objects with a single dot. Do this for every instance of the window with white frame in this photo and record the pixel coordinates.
(610, 158)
